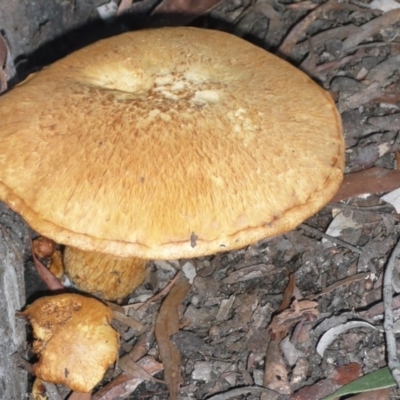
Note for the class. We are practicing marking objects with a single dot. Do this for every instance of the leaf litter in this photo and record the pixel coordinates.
(254, 317)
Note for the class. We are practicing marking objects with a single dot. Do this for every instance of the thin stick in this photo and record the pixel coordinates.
(332, 239)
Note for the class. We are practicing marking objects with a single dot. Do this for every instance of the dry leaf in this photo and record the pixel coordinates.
(332, 334)
(134, 370)
(288, 294)
(167, 324)
(137, 327)
(372, 180)
(142, 345)
(341, 376)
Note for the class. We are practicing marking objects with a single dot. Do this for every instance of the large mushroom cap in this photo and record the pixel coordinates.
(168, 143)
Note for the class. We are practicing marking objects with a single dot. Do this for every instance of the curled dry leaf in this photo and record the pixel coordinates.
(167, 324)
(332, 334)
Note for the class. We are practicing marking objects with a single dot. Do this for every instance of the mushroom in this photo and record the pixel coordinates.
(74, 340)
(163, 144)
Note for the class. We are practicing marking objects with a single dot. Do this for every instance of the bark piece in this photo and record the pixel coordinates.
(13, 234)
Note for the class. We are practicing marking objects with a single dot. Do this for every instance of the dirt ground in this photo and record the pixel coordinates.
(256, 317)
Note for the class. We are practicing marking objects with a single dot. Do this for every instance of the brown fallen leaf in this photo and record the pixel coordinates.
(167, 324)
(341, 376)
(288, 294)
(119, 314)
(134, 370)
(372, 180)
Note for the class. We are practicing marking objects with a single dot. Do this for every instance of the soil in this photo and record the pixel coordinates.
(231, 337)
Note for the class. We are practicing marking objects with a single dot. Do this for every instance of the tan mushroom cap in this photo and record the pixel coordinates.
(75, 342)
(168, 143)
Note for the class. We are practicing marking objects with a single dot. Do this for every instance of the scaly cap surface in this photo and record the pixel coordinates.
(168, 143)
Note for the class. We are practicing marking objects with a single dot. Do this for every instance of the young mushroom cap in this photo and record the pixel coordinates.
(74, 340)
(168, 143)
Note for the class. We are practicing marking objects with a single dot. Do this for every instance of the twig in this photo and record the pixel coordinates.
(393, 361)
(331, 238)
(379, 208)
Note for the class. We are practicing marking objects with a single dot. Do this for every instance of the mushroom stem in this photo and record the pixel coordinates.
(106, 276)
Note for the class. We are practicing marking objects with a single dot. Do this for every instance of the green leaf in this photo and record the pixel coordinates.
(380, 379)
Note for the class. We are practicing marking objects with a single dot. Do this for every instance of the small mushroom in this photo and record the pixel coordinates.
(163, 144)
(74, 340)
